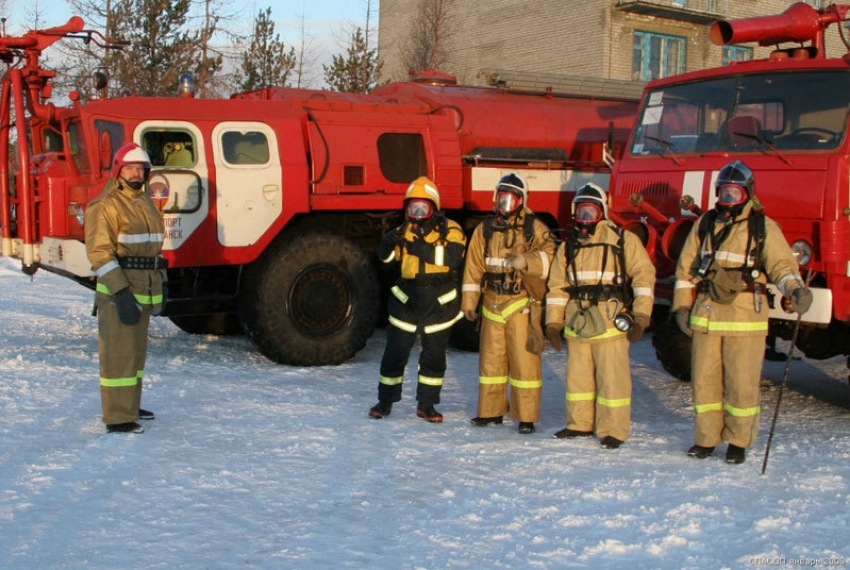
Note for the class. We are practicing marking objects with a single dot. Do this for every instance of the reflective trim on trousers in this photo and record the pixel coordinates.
(405, 326)
(443, 326)
(580, 396)
(526, 383)
(391, 381)
(728, 326)
(618, 403)
(142, 299)
(119, 382)
(490, 380)
(445, 298)
(430, 381)
(742, 412)
(713, 407)
(610, 333)
(502, 317)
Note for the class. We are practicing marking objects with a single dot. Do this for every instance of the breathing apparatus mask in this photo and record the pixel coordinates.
(731, 199)
(734, 187)
(510, 195)
(587, 217)
(420, 214)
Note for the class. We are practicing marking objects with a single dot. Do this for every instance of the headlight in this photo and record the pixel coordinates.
(802, 251)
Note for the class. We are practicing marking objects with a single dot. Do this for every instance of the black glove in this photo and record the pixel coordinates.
(638, 328)
(683, 321)
(129, 311)
(801, 300)
(390, 240)
(553, 333)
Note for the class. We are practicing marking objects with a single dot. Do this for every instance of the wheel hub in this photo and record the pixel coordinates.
(320, 300)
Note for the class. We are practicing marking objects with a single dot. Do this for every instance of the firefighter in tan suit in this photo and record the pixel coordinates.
(600, 294)
(720, 300)
(124, 233)
(508, 257)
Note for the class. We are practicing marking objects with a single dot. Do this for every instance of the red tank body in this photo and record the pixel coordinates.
(274, 201)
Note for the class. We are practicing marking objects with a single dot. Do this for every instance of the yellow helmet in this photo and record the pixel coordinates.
(423, 188)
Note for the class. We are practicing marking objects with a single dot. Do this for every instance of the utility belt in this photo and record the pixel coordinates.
(500, 283)
(432, 279)
(140, 262)
(595, 292)
(705, 287)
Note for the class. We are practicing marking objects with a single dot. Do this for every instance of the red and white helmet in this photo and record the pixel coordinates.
(130, 153)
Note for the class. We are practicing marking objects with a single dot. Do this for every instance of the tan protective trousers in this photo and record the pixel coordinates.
(726, 371)
(599, 387)
(503, 360)
(123, 349)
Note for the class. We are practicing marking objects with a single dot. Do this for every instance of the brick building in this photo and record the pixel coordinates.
(614, 39)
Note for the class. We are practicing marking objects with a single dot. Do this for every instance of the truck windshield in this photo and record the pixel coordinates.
(746, 113)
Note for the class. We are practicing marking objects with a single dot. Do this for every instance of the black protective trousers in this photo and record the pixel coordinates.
(431, 310)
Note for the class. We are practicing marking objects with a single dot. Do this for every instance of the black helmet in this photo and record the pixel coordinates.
(735, 174)
(515, 184)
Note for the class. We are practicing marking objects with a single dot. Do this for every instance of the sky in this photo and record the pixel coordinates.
(327, 22)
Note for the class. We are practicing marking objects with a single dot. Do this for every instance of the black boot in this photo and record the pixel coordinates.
(567, 432)
(146, 414)
(479, 421)
(381, 409)
(429, 414)
(735, 455)
(526, 427)
(610, 442)
(700, 452)
(128, 427)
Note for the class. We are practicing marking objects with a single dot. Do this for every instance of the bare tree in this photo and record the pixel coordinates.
(306, 58)
(427, 44)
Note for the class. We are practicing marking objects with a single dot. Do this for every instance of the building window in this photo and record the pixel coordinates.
(736, 53)
(657, 55)
(815, 3)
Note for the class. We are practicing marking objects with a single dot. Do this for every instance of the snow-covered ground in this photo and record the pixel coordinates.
(254, 465)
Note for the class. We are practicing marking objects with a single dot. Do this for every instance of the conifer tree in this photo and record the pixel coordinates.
(266, 62)
(358, 71)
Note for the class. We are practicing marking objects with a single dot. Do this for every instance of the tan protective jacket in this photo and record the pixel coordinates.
(739, 318)
(561, 307)
(537, 253)
(123, 222)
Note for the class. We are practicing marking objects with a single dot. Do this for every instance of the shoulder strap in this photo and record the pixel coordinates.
(528, 227)
(706, 224)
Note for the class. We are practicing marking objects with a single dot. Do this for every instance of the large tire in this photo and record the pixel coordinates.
(673, 349)
(311, 299)
(220, 324)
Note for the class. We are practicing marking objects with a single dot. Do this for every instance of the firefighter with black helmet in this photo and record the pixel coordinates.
(507, 264)
(600, 295)
(720, 301)
(424, 302)
(124, 235)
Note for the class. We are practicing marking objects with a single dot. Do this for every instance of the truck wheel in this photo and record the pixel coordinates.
(221, 324)
(311, 299)
(673, 349)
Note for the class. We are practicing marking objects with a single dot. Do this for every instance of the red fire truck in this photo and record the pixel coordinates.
(786, 117)
(274, 201)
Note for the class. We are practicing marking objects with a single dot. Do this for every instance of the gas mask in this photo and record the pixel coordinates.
(587, 217)
(420, 214)
(507, 204)
(731, 199)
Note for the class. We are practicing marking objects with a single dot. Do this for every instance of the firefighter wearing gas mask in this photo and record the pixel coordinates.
(124, 234)
(600, 295)
(720, 300)
(507, 264)
(424, 302)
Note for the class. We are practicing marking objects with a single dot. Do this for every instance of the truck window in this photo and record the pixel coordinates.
(251, 147)
(402, 156)
(77, 148)
(746, 113)
(172, 148)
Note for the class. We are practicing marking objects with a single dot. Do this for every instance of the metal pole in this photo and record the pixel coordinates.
(784, 380)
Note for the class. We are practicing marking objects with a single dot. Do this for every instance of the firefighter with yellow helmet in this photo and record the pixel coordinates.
(507, 264)
(600, 295)
(424, 302)
(124, 235)
(720, 301)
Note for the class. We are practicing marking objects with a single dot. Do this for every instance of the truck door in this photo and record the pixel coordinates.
(179, 181)
(248, 181)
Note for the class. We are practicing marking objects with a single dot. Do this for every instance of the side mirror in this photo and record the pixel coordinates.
(105, 151)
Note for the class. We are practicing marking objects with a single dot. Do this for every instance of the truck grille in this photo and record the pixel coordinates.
(646, 188)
